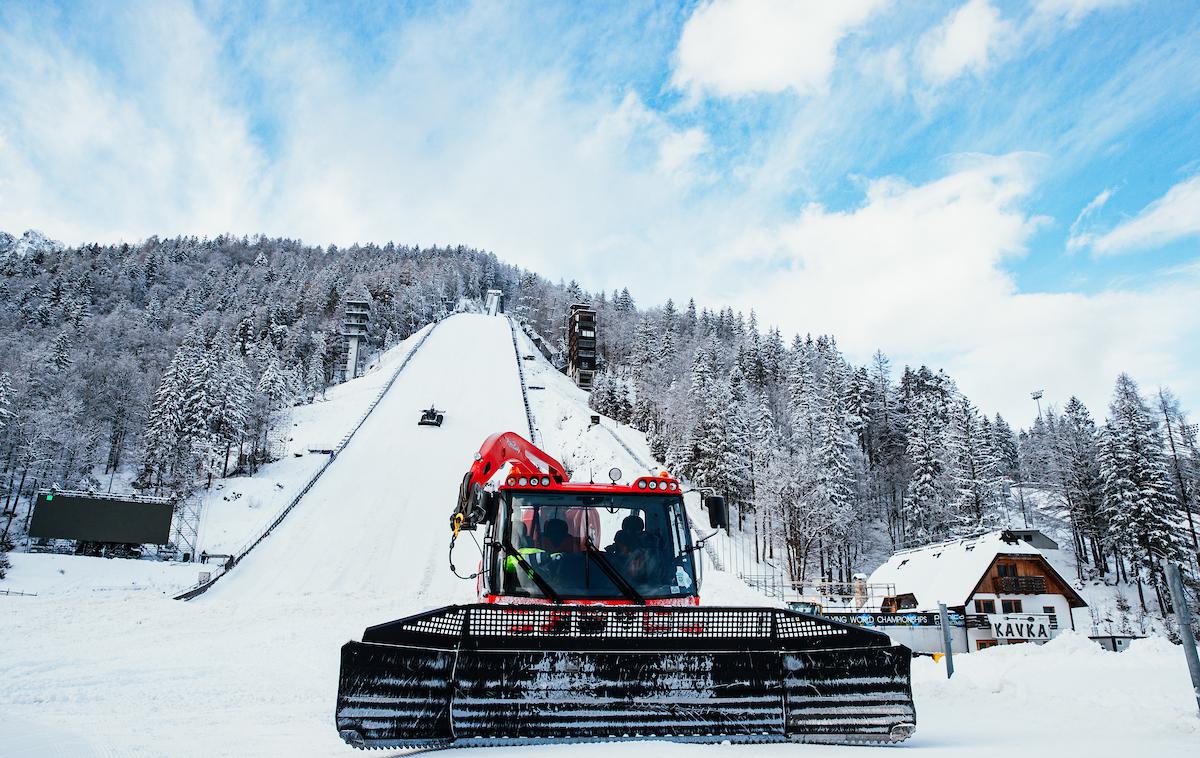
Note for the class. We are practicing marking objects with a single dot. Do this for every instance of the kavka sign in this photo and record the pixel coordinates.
(1020, 627)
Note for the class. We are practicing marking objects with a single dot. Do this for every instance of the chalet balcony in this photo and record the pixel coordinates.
(1020, 585)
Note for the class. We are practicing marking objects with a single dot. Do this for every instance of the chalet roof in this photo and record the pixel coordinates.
(949, 572)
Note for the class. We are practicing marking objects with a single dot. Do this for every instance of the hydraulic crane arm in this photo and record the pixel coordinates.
(496, 451)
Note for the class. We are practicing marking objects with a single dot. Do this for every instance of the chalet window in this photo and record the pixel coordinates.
(985, 606)
(1048, 609)
(1010, 606)
(1006, 569)
(984, 644)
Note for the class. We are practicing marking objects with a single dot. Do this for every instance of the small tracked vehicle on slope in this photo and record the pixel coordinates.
(590, 628)
(430, 416)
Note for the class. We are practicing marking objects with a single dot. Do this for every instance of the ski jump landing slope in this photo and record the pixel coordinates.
(376, 526)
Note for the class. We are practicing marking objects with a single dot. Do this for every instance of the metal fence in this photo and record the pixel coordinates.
(535, 435)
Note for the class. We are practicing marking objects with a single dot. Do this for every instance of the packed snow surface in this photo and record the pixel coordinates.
(250, 669)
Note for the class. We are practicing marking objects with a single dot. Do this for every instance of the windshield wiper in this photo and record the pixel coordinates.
(611, 572)
(542, 584)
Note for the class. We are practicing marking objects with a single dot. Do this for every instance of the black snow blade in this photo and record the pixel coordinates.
(498, 675)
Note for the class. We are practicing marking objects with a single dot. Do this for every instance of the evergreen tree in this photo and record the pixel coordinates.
(1183, 462)
(274, 385)
(1138, 497)
(1078, 471)
(7, 394)
(1004, 443)
(735, 467)
(60, 352)
(973, 465)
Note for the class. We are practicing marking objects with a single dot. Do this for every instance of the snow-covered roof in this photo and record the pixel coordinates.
(946, 572)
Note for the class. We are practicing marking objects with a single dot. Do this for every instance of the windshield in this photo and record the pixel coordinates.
(643, 538)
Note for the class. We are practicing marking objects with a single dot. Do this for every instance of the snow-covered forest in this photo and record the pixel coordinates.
(163, 365)
(832, 463)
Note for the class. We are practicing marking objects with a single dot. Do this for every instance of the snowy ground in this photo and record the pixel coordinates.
(250, 669)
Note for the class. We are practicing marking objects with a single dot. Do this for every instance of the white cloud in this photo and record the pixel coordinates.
(969, 39)
(919, 272)
(678, 151)
(82, 157)
(513, 160)
(1079, 238)
(1073, 11)
(1173, 216)
(738, 47)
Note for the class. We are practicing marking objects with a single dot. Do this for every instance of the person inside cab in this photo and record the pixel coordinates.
(630, 537)
(557, 537)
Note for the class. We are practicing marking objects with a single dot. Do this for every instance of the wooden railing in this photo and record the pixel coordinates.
(1020, 585)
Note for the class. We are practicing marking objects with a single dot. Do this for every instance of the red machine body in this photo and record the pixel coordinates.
(532, 470)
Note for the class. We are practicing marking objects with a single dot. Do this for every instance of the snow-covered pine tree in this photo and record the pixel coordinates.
(575, 292)
(735, 468)
(709, 395)
(1004, 442)
(274, 384)
(1138, 498)
(1185, 467)
(1078, 472)
(166, 423)
(314, 366)
(7, 414)
(925, 398)
(624, 301)
(60, 352)
(233, 393)
(972, 464)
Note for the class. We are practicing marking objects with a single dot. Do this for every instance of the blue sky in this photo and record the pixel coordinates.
(1006, 189)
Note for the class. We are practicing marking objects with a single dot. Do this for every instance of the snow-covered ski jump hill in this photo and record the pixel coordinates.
(250, 667)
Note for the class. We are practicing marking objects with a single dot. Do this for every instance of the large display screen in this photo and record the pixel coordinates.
(96, 519)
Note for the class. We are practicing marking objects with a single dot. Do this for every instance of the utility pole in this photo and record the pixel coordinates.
(1183, 617)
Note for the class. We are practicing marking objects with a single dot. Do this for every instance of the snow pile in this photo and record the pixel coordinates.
(1070, 691)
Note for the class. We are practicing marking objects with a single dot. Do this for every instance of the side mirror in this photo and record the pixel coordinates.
(718, 517)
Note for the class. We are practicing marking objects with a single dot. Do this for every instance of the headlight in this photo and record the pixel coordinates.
(642, 484)
(545, 481)
(511, 481)
(522, 481)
